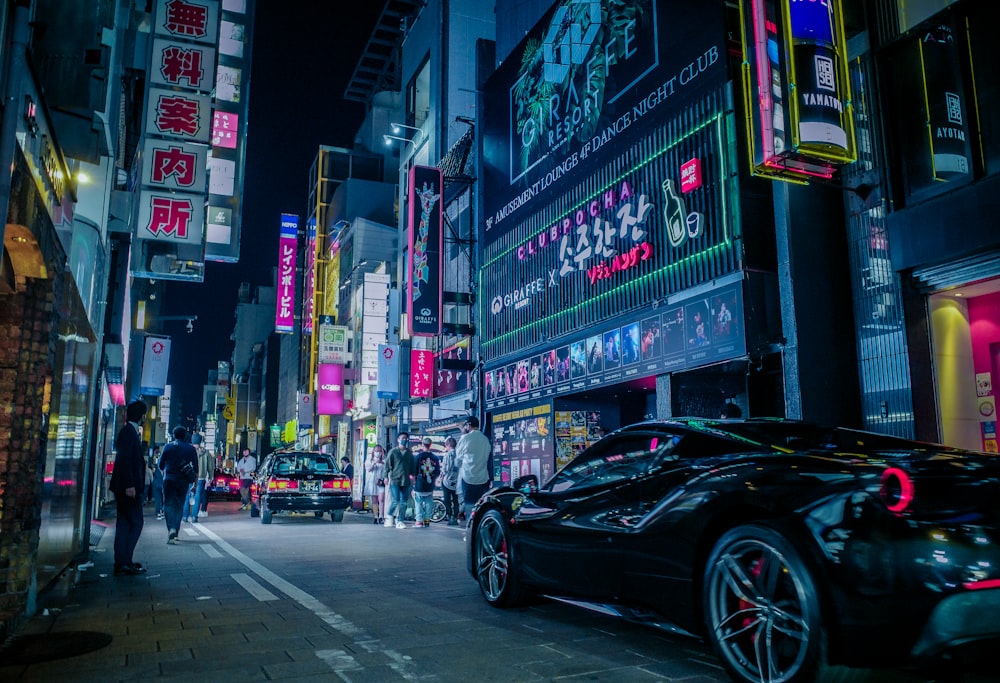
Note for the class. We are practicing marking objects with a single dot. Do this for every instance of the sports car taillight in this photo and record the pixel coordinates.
(282, 484)
(896, 489)
(337, 484)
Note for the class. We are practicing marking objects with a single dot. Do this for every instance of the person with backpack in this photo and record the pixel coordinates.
(174, 458)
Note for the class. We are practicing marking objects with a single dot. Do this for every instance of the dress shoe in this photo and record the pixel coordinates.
(127, 570)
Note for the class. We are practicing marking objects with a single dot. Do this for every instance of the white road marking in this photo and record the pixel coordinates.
(401, 664)
(210, 550)
(254, 588)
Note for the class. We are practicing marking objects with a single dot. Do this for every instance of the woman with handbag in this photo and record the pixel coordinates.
(179, 462)
(375, 483)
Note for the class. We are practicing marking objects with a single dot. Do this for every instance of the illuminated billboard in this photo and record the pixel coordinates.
(589, 79)
(797, 88)
(423, 282)
(284, 317)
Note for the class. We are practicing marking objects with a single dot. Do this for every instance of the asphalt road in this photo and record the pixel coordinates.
(308, 599)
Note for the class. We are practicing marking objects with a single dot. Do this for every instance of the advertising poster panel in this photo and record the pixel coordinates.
(523, 444)
(424, 281)
(702, 329)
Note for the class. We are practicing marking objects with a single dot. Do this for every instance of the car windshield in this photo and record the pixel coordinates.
(304, 463)
(613, 460)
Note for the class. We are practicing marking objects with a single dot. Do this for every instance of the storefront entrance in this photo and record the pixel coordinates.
(965, 340)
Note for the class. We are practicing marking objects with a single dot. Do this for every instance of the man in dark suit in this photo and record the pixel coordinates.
(127, 481)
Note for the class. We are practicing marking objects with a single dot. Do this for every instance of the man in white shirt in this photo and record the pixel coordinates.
(244, 470)
(472, 456)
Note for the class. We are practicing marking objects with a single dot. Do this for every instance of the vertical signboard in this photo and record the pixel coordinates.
(951, 154)
(331, 342)
(929, 102)
(155, 363)
(330, 389)
(797, 88)
(228, 134)
(421, 373)
(284, 317)
(388, 372)
(374, 325)
(424, 252)
(170, 216)
(305, 414)
(309, 278)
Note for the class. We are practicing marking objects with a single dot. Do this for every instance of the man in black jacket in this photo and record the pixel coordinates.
(127, 481)
(174, 456)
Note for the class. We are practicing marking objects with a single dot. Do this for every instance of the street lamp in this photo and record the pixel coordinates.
(397, 128)
(140, 318)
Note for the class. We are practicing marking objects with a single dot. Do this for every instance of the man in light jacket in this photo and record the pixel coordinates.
(473, 457)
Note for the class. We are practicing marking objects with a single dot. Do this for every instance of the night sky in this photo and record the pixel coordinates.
(302, 60)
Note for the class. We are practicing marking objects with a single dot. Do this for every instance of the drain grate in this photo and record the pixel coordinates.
(46, 647)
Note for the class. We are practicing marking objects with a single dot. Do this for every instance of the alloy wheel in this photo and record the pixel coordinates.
(760, 609)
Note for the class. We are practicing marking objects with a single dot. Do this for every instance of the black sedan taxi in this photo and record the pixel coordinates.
(290, 481)
(798, 552)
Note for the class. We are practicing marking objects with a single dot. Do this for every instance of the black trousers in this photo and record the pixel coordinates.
(128, 527)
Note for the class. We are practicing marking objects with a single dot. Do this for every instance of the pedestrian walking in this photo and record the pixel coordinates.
(449, 480)
(473, 455)
(427, 468)
(375, 483)
(244, 470)
(399, 464)
(127, 479)
(174, 457)
(206, 471)
(157, 484)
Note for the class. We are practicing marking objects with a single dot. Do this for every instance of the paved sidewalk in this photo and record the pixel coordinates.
(184, 618)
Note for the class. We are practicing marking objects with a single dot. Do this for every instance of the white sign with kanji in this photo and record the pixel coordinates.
(179, 115)
(169, 165)
(195, 20)
(171, 217)
(182, 65)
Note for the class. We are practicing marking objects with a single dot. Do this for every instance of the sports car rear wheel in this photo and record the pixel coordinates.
(761, 611)
(494, 562)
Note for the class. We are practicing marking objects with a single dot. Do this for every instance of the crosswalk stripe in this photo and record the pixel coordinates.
(254, 588)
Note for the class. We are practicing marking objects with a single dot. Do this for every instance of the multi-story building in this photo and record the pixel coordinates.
(441, 51)
(646, 251)
(86, 212)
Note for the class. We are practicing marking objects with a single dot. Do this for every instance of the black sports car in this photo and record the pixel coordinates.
(794, 550)
(299, 481)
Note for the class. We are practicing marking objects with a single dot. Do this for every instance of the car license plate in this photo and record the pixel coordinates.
(310, 486)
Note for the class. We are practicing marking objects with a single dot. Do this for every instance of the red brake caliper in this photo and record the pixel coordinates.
(755, 570)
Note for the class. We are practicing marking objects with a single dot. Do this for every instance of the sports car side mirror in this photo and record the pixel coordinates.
(527, 484)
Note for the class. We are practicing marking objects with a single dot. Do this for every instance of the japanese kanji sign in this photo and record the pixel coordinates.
(421, 373)
(284, 319)
(174, 165)
(180, 115)
(171, 217)
(183, 65)
(194, 20)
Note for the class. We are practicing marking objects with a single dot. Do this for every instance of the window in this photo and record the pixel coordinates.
(613, 460)
(418, 95)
